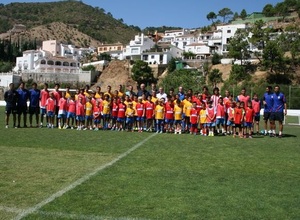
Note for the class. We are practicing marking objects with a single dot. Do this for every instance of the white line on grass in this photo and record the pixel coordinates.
(78, 182)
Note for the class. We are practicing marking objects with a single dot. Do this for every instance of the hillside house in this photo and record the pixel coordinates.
(170, 35)
(114, 50)
(161, 54)
(44, 61)
(136, 47)
(202, 50)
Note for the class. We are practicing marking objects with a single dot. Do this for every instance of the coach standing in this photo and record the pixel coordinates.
(34, 104)
(22, 104)
(268, 100)
(279, 110)
(11, 99)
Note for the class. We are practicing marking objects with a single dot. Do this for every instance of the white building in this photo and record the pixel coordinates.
(201, 50)
(183, 40)
(228, 31)
(163, 55)
(170, 36)
(65, 50)
(44, 61)
(136, 47)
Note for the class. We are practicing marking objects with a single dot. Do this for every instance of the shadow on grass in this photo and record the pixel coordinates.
(288, 136)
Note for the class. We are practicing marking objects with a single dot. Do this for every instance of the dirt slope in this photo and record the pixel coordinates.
(115, 74)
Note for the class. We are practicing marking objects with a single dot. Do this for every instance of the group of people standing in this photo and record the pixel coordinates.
(172, 112)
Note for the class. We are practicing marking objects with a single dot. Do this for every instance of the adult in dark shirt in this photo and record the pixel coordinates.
(143, 91)
(11, 99)
(34, 104)
(22, 103)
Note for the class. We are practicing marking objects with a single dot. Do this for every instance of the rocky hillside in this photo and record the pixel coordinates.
(56, 30)
(94, 22)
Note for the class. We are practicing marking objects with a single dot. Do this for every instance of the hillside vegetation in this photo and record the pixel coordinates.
(94, 22)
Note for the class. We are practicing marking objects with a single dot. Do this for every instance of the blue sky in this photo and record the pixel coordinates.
(156, 13)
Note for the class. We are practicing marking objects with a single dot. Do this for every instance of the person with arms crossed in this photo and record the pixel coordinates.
(22, 104)
(11, 99)
(279, 110)
(268, 104)
(34, 104)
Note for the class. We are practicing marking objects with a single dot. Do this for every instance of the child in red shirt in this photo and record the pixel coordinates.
(169, 116)
(140, 111)
(121, 115)
(114, 113)
(96, 114)
(249, 117)
(256, 106)
(71, 106)
(238, 119)
(51, 107)
(194, 119)
(80, 113)
(220, 116)
(149, 112)
(62, 110)
(210, 118)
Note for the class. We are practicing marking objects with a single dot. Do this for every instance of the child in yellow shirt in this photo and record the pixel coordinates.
(178, 116)
(159, 116)
(202, 121)
(88, 114)
(130, 112)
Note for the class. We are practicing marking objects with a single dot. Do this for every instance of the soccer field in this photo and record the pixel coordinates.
(69, 174)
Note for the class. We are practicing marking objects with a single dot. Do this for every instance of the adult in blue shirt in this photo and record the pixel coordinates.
(181, 94)
(22, 104)
(34, 104)
(267, 104)
(11, 99)
(142, 91)
(279, 110)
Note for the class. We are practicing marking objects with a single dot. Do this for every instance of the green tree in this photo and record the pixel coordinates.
(291, 4)
(235, 16)
(225, 13)
(189, 55)
(243, 14)
(89, 68)
(282, 9)
(238, 74)
(104, 56)
(172, 65)
(259, 34)
(239, 46)
(5, 66)
(216, 59)
(189, 79)
(268, 10)
(273, 57)
(215, 77)
(211, 16)
(142, 73)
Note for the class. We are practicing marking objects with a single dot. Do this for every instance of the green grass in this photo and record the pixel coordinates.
(167, 177)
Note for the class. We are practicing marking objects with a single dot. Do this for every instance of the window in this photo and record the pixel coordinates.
(152, 56)
(134, 50)
(228, 31)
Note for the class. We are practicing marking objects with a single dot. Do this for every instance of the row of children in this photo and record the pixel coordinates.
(150, 113)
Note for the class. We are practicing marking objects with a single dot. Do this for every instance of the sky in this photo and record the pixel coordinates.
(157, 13)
